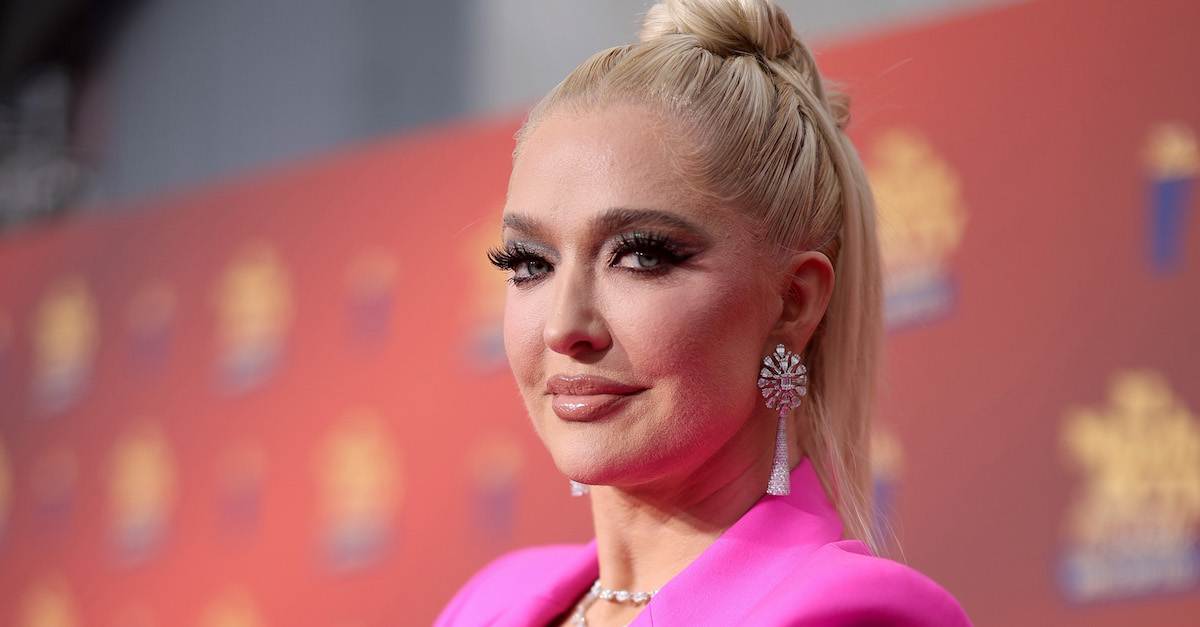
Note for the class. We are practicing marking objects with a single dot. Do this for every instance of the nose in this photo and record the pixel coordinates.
(574, 325)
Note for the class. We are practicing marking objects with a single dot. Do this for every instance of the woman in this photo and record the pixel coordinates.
(680, 210)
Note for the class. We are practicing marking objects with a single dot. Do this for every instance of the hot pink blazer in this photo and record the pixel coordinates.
(783, 563)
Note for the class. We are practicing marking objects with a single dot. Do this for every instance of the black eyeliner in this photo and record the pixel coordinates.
(515, 257)
(639, 242)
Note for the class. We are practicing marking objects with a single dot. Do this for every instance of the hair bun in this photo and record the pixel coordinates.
(724, 27)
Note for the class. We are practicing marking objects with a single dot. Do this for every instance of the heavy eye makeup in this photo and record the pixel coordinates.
(523, 263)
(640, 253)
(647, 253)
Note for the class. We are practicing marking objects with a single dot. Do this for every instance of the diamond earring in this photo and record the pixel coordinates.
(783, 382)
(579, 489)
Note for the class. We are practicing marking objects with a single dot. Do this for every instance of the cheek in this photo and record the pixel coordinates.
(701, 345)
(523, 336)
(703, 335)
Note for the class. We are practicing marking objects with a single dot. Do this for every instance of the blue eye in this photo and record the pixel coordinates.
(530, 267)
(637, 259)
(642, 252)
(524, 264)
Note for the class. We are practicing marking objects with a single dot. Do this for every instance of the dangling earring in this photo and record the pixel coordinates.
(783, 382)
(579, 489)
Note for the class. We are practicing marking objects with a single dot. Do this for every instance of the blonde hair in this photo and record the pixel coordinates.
(766, 136)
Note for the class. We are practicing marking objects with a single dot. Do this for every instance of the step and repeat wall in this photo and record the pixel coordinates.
(284, 400)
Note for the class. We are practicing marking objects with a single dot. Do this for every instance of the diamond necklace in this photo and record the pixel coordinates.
(599, 592)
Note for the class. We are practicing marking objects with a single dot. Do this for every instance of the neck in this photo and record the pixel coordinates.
(647, 534)
(646, 537)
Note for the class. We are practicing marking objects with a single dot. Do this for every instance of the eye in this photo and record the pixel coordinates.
(530, 267)
(524, 264)
(642, 252)
(637, 259)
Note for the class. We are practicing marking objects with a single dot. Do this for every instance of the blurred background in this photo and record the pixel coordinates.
(251, 370)
(105, 101)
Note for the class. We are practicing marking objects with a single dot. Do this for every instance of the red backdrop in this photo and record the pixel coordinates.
(284, 401)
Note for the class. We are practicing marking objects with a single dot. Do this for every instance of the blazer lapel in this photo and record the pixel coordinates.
(541, 606)
(750, 559)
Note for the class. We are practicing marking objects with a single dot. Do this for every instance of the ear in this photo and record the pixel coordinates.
(807, 287)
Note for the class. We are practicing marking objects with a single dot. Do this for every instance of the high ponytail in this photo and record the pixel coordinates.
(766, 137)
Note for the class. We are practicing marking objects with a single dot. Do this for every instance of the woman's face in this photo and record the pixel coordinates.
(638, 311)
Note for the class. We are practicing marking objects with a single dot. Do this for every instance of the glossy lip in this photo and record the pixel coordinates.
(582, 398)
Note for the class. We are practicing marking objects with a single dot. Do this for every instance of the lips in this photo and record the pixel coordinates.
(582, 398)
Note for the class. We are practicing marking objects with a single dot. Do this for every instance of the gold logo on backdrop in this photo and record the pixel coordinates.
(1171, 151)
(360, 487)
(65, 338)
(254, 307)
(1172, 160)
(921, 219)
(48, 604)
(1132, 527)
(887, 456)
(141, 490)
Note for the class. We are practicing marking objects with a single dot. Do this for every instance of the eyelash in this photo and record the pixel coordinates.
(513, 256)
(668, 253)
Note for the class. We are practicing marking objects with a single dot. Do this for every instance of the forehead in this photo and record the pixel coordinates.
(615, 157)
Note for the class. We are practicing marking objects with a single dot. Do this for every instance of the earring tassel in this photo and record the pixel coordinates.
(781, 480)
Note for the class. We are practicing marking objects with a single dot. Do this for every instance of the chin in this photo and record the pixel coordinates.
(580, 460)
(576, 455)
(590, 460)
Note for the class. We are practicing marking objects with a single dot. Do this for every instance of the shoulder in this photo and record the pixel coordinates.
(491, 591)
(843, 584)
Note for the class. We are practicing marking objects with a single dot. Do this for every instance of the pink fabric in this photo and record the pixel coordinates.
(783, 563)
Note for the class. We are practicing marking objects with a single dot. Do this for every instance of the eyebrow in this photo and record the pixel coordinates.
(520, 222)
(611, 221)
(621, 219)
